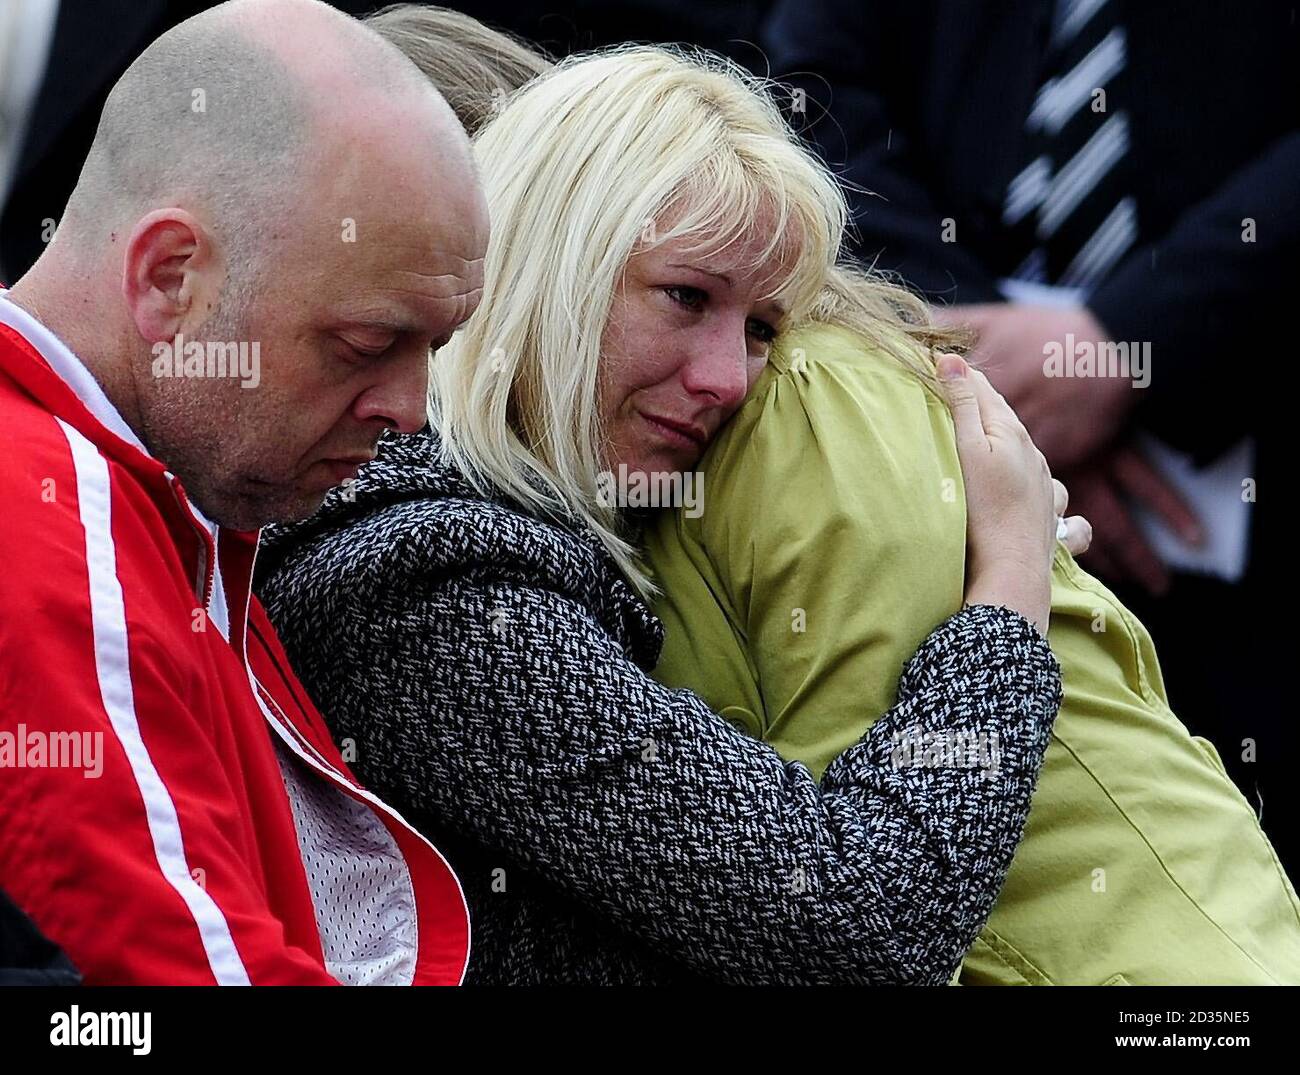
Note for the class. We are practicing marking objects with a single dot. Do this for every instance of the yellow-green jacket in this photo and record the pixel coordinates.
(831, 541)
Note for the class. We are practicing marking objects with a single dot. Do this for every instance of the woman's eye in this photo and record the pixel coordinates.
(690, 297)
(761, 330)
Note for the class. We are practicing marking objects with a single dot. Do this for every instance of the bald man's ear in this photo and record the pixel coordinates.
(171, 277)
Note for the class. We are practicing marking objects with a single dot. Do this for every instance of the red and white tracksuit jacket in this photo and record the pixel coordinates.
(222, 839)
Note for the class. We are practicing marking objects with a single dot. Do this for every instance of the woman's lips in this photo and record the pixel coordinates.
(678, 434)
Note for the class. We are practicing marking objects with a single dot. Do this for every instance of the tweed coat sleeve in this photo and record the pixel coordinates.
(503, 707)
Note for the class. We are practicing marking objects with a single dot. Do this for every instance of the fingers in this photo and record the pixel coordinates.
(1078, 534)
(979, 410)
(1144, 483)
(959, 385)
(1060, 498)
(1127, 550)
(998, 416)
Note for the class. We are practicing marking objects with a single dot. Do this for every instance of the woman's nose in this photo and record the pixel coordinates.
(719, 368)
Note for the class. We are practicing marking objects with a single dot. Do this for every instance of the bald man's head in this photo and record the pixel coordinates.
(223, 113)
(270, 172)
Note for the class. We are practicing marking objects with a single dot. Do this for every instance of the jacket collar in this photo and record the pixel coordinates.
(67, 387)
(75, 376)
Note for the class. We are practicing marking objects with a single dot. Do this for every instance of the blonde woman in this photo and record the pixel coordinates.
(1140, 862)
(470, 613)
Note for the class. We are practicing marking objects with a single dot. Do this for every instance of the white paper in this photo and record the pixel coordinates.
(1214, 493)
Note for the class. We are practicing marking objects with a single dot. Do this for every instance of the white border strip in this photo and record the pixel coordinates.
(112, 667)
(69, 367)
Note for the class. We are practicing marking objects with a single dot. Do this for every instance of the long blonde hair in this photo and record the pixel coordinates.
(472, 65)
(887, 316)
(579, 168)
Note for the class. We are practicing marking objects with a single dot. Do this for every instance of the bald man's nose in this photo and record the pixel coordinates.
(400, 399)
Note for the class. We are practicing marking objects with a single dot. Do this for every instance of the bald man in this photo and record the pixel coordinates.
(276, 222)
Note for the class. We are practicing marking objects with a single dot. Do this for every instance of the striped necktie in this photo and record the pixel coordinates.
(1070, 207)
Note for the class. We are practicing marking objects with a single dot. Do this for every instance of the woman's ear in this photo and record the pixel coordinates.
(170, 276)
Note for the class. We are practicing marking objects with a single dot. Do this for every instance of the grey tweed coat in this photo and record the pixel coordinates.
(490, 669)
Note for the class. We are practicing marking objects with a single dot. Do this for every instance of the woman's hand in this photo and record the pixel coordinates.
(1012, 502)
(1074, 532)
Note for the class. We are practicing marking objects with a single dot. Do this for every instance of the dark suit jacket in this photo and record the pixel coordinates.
(92, 45)
(927, 102)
